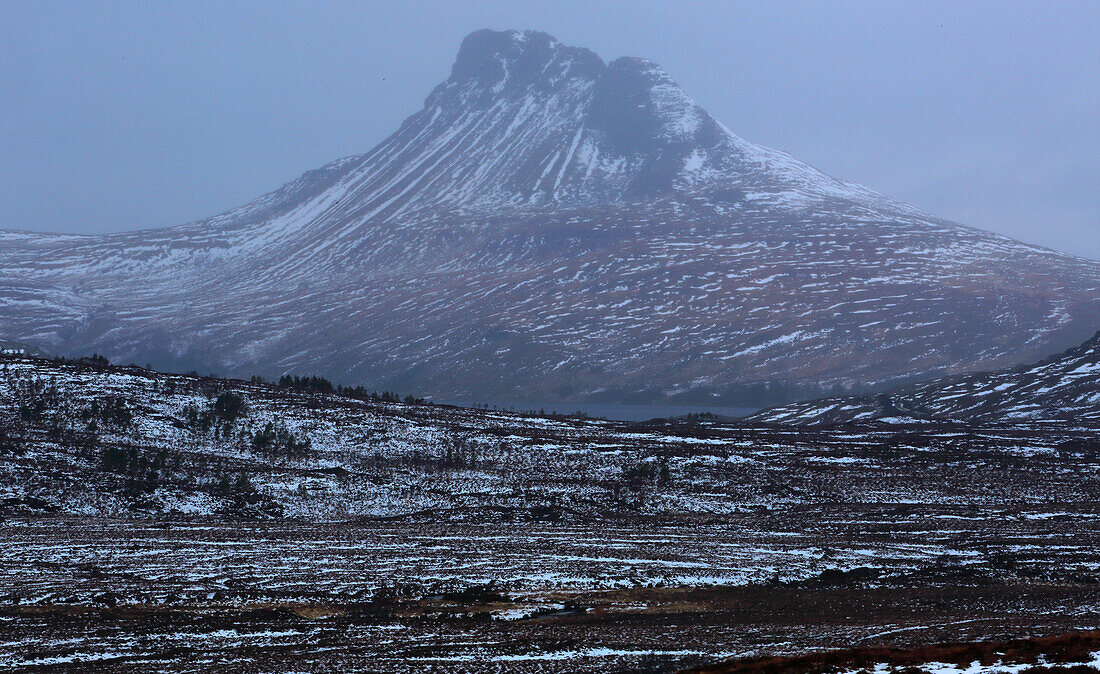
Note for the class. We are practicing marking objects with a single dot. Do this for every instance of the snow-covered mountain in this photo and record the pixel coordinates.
(1063, 390)
(549, 227)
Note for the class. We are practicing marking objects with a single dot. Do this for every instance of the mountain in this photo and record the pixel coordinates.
(551, 227)
(1063, 390)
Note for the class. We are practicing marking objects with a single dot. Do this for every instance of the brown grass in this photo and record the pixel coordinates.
(1067, 648)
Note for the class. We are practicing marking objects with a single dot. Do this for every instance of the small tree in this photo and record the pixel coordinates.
(229, 407)
(278, 439)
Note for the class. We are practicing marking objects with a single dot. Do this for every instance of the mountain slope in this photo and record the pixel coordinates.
(553, 227)
(1065, 388)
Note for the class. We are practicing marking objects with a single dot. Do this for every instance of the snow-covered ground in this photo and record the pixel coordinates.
(139, 525)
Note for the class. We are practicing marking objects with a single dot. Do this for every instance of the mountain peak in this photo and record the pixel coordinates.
(526, 121)
(640, 106)
(515, 59)
(646, 69)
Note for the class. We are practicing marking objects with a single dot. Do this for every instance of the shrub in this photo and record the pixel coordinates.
(111, 411)
(645, 473)
(10, 443)
(228, 407)
(143, 472)
(278, 439)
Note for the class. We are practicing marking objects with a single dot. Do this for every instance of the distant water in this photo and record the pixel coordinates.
(617, 412)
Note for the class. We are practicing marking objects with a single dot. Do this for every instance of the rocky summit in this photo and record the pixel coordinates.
(553, 227)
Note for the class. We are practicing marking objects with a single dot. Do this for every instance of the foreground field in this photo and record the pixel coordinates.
(1076, 653)
(156, 522)
(406, 595)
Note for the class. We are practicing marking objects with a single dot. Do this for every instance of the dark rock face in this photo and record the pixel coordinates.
(550, 226)
(623, 110)
(515, 61)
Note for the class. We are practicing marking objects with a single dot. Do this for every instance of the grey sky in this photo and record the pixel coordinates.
(125, 115)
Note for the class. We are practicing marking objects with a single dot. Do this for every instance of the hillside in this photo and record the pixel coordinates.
(553, 227)
(1062, 390)
(85, 437)
(157, 521)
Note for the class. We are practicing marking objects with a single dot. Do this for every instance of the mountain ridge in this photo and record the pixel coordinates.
(552, 225)
(1063, 389)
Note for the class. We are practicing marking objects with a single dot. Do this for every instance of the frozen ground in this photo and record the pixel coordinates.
(408, 596)
(409, 537)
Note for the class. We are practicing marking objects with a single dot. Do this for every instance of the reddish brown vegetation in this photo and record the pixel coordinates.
(1069, 648)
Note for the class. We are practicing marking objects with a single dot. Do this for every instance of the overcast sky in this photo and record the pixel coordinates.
(118, 116)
